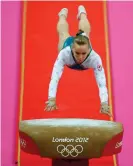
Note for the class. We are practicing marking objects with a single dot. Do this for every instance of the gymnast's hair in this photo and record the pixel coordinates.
(81, 39)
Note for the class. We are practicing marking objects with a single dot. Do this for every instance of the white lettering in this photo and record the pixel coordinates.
(62, 139)
(80, 139)
(118, 144)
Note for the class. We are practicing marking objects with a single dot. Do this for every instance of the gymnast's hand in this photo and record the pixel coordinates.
(51, 105)
(105, 109)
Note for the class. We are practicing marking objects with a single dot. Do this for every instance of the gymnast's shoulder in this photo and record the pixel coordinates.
(66, 52)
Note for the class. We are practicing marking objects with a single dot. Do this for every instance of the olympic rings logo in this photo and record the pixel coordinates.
(69, 150)
(22, 143)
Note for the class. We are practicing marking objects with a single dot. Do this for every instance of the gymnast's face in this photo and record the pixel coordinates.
(80, 52)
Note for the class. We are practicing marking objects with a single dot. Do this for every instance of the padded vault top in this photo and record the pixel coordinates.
(71, 138)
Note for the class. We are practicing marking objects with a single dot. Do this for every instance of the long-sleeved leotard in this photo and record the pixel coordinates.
(66, 58)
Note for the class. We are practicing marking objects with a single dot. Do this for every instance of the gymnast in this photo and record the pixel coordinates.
(76, 53)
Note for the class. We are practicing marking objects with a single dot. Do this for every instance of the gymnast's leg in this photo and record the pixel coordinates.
(84, 23)
(62, 27)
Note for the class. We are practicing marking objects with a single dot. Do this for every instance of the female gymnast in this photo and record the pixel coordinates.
(77, 54)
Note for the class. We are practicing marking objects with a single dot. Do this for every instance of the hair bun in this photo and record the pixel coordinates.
(79, 32)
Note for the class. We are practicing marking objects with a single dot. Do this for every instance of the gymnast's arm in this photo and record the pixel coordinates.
(101, 82)
(100, 79)
(55, 77)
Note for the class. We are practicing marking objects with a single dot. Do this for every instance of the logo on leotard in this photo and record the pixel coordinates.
(99, 67)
